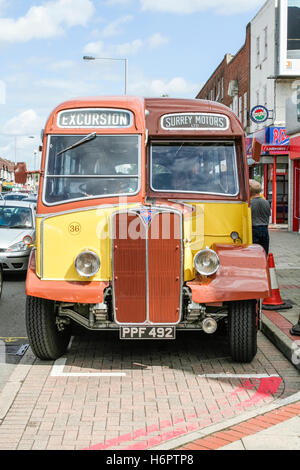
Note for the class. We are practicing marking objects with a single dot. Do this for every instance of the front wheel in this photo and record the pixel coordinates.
(242, 330)
(46, 340)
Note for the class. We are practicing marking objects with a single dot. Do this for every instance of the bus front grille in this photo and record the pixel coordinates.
(147, 267)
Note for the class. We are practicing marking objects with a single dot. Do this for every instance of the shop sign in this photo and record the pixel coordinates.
(275, 148)
(259, 114)
(277, 136)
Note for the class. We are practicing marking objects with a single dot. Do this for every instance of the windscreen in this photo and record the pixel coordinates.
(194, 167)
(106, 165)
(15, 217)
(293, 36)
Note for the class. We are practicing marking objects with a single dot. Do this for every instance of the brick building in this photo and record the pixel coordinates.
(230, 82)
(6, 174)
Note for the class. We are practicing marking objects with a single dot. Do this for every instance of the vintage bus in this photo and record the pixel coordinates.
(144, 226)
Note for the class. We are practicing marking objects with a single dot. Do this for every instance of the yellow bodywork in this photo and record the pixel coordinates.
(61, 237)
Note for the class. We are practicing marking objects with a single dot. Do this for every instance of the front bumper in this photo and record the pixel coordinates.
(14, 261)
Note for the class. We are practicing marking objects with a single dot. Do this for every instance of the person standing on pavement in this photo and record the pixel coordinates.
(261, 211)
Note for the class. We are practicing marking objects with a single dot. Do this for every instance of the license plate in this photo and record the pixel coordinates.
(147, 332)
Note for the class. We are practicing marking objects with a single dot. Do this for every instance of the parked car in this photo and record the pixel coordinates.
(15, 196)
(17, 229)
(31, 197)
(1, 279)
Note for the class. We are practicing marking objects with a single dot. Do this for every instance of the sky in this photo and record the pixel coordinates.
(171, 46)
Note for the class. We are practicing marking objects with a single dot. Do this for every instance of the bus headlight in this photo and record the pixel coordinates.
(87, 263)
(206, 262)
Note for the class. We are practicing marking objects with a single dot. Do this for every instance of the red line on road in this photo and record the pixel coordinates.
(267, 387)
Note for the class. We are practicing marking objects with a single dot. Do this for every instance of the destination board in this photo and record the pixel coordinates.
(189, 121)
(94, 118)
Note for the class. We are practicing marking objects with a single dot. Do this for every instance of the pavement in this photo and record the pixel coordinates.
(109, 396)
(277, 428)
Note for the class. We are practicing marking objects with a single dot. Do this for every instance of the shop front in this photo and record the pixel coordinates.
(295, 170)
(268, 155)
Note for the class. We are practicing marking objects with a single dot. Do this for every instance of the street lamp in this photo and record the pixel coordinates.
(88, 57)
(15, 138)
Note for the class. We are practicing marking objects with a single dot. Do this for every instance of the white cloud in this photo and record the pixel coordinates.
(65, 88)
(62, 65)
(157, 40)
(114, 28)
(46, 21)
(224, 7)
(117, 2)
(3, 5)
(26, 123)
(98, 49)
(95, 48)
(176, 87)
(129, 48)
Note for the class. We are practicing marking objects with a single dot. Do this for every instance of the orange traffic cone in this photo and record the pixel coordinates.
(274, 302)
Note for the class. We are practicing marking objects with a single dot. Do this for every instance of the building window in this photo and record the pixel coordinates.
(245, 110)
(298, 103)
(222, 88)
(265, 95)
(293, 27)
(257, 51)
(266, 41)
(240, 108)
(235, 105)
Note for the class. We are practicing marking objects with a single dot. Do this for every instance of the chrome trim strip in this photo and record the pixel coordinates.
(195, 129)
(139, 186)
(93, 176)
(197, 192)
(90, 208)
(130, 113)
(205, 201)
(55, 214)
(42, 249)
(171, 210)
(147, 268)
(133, 212)
(157, 210)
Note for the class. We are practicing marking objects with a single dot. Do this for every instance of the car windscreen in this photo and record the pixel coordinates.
(107, 165)
(15, 197)
(15, 217)
(194, 167)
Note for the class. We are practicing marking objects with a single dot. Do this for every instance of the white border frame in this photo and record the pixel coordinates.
(67, 201)
(199, 129)
(93, 126)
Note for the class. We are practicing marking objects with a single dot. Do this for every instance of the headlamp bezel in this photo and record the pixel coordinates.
(204, 251)
(97, 259)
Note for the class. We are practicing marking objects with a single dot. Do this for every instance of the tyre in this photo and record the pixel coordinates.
(242, 330)
(46, 341)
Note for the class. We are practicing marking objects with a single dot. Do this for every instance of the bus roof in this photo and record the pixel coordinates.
(132, 103)
(181, 110)
(167, 116)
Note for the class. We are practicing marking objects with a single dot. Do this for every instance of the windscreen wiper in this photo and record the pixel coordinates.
(87, 138)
